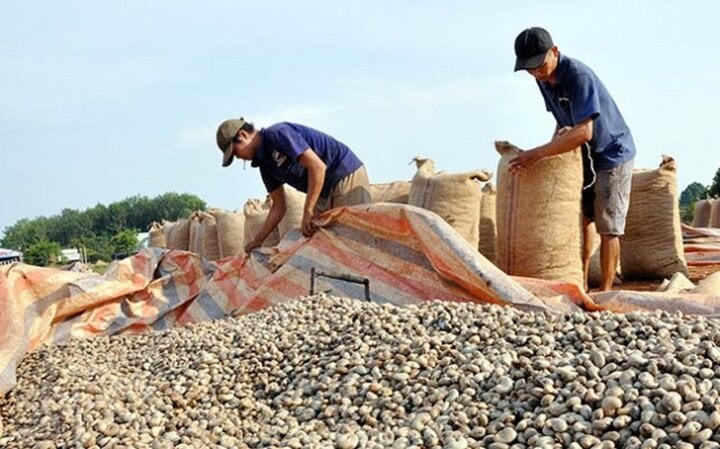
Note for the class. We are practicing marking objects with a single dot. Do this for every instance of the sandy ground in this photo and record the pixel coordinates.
(697, 273)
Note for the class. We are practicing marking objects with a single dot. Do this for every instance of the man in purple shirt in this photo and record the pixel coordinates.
(587, 116)
(325, 169)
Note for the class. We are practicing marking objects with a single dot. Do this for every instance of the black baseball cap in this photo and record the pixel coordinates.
(530, 48)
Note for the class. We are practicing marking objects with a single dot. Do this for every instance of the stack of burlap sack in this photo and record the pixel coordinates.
(539, 221)
(529, 225)
(212, 234)
(707, 213)
(218, 233)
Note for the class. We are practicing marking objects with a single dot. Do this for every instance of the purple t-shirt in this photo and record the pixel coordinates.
(577, 95)
(282, 145)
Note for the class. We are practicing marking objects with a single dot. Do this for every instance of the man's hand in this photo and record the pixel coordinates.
(254, 243)
(523, 160)
(308, 228)
(565, 139)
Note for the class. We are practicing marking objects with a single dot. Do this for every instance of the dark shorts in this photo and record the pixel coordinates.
(606, 202)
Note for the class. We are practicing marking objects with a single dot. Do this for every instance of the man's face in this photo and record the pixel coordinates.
(545, 71)
(242, 145)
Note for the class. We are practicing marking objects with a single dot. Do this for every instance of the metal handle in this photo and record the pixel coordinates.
(342, 277)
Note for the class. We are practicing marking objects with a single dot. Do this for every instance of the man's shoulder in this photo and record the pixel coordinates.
(280, 133)
(278, 127)
(576, 68)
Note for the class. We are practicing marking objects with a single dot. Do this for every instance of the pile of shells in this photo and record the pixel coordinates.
(343, 373)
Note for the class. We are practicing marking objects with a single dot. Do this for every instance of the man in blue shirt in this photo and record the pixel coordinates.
(325, 169)
(586, 116)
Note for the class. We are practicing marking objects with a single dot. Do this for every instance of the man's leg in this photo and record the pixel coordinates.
(609, 257)
(611, 205)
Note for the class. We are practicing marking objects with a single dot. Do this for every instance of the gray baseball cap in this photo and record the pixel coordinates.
(226, 132)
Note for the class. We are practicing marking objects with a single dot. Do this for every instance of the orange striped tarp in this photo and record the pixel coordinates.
(408, 255)
(702, 245)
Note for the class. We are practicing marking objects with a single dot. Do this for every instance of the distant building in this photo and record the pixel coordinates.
(8, 256)
(143, 240)
(71, 255)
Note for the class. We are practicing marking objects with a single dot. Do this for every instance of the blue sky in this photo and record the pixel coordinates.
(100, 101)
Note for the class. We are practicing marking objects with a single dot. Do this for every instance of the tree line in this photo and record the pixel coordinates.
(101, 231)
(697, 191)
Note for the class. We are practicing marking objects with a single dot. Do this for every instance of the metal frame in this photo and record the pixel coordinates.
(342, 277)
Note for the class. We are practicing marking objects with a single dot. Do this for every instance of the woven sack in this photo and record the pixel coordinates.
(156, 236)
(455, 197)
(256, 212)
(487, 238)
(652, 247)
(211, 245)
(714, 219)
(294, 205)
(539, 217)
(701, 216)
(177, 234)
(230, 230)
(391, 192)
(196, 243)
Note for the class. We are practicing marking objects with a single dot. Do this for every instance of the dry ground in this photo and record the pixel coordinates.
(697, 273)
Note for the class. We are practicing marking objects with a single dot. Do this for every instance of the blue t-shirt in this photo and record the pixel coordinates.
(578, 94)
(283, 143)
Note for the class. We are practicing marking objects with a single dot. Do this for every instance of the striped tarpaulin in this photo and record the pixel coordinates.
(408, 255)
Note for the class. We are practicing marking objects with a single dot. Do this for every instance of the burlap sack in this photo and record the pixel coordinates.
(391, 192)
(230, 230)
(487, 228)
(177, 234)
(196, 242)
(156, 236)
(294, 205)
(714, 221)
(701, 216)
(256, 213)
(539, 217)
(454, 197)
(211, 245)
(652, 247)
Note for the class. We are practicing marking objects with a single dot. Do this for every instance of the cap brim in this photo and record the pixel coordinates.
(228, 155)
(530, 63)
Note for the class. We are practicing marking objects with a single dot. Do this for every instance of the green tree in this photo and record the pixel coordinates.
(714, 189)
(140, 211)
(69, 225)
(171, 206)
(25, 233)
(42, 253)
(100, 219)
(96, 247)
(692, 193)
(95, 227)
(124, 243)
(118, 214)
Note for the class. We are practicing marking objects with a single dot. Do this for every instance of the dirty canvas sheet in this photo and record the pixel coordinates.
(702, 245)
(408, 255)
